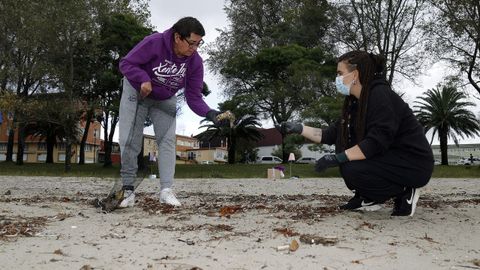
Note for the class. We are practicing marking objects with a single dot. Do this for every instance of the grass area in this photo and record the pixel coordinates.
(247, 171)
(58, 169)
(209, 171)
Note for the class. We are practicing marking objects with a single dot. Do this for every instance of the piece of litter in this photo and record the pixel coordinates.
(293, 245)
(188, 242)
(312, 239)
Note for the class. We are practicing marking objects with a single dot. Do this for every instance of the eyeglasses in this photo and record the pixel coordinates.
(193, 44)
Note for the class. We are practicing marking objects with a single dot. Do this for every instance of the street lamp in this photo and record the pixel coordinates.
(94, 145)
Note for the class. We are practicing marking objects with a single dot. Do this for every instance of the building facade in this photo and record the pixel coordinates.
(35, 150)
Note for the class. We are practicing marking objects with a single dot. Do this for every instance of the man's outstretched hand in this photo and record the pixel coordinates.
(289, 128)
(221, 119)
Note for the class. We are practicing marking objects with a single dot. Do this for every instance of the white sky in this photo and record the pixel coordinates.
(211, 14)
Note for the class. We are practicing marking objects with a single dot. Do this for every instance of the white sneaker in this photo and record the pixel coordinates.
(167, 196)
(128, 199)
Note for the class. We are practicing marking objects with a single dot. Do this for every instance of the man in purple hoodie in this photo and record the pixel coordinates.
(155, 70)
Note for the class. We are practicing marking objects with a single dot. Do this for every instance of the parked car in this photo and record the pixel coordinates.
(468, 161)
(269, 160)
(306, 160)
(207, 162)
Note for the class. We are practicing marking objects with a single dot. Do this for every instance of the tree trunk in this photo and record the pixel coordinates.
(51, 140)
(442, 132)
(69, 90)
(20, 144)
(89, 116)
(81, 157)
(108, 154)
(109, 142)
(232, 146)
(11, 140)
(68, 154)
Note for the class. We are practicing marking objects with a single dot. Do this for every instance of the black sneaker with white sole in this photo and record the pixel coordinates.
(359, 203)
(406, 203)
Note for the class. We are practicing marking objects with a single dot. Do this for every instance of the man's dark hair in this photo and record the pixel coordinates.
(185, 26)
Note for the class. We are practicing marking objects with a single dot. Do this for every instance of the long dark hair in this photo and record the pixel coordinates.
(370, 67)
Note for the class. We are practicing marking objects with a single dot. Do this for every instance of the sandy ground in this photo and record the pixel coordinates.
(50, 223)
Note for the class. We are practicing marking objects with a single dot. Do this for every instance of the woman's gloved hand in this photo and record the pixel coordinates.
(290, 128)
(329, 161)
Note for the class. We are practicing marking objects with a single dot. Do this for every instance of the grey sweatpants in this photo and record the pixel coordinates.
(133, 113)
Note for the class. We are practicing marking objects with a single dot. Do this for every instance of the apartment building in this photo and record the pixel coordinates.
(36, 147)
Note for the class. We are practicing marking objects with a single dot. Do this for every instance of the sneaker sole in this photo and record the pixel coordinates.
(369, 208)
(127, 205)
(163, 202)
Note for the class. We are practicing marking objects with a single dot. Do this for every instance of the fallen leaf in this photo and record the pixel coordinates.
(287, 232)
(365, 224)
(229, 210)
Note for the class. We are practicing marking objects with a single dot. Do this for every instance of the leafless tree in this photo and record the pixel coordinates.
(455, 33)
(390, 28)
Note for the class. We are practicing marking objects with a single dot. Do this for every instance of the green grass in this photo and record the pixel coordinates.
(247, 171)
(209, 171)
(455, 171)
(58, 169)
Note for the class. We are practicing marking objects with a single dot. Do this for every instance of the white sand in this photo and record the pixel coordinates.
(443, 234)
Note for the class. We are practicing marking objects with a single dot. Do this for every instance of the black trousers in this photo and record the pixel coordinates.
(385, 176)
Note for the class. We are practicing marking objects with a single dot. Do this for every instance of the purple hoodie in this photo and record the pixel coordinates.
(153, 60)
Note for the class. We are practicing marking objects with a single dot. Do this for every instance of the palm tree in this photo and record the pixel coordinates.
(444, 110)
(46, 120)
(245, 128)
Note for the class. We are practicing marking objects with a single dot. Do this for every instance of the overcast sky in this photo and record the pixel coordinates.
(164, 13)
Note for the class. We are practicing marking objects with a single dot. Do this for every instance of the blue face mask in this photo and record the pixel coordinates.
(341, 87)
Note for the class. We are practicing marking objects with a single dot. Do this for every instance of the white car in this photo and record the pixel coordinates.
(306, 160)
(269, 160)
(468, 161)
(207, 162)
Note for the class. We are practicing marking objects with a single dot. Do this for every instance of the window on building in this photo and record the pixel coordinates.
(42, 157)
(42, 146)
(88, 147)
(14, 157)
(115, 148)
(192, 155)
(3, 147)
(61, 146)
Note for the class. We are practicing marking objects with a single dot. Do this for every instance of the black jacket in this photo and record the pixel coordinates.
(390, 126)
